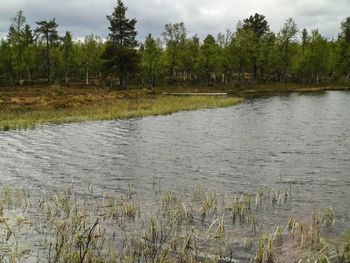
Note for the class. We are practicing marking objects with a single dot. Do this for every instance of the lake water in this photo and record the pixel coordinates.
(297, 139)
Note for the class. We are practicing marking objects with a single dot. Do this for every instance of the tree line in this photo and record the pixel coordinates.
(249, 53)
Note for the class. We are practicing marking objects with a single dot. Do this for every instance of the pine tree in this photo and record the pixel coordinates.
(48, 34)
(259, 26)
(120, 54)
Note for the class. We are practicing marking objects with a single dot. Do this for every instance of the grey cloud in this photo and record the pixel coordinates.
(83, 17)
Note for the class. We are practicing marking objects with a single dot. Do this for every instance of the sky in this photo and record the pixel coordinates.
(201, 17)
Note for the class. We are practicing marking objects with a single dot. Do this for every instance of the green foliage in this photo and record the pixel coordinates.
(314, 58)
(287, 47)
(122, 29)
(259, 26)
(210, 55)
(151, 53)
(344, 48)
(190, 58)
(250, 54)
(92, 49)
(174, 36)
(268, 58)
(243, 46)
(67, 53)
(120, 54)
(16, 39)
(47, 31)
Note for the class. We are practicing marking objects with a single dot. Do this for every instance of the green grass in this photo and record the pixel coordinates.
(29, 107)
(27, 117)
(252, 88)
(199, 226)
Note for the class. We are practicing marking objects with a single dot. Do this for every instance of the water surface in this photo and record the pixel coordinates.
(297, 139)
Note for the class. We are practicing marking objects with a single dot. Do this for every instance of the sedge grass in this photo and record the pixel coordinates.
(72, 227)
(119, 109)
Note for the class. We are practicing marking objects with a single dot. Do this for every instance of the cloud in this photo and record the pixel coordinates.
(201, 17)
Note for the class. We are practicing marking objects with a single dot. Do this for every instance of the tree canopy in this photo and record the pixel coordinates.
(250, 53)
(120, 54)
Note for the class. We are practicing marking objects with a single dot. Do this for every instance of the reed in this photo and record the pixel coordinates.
(72, 227)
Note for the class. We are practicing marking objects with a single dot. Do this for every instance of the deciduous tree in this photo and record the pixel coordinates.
(67, 50)
(151, 57)
(174, 36)
(210, 55)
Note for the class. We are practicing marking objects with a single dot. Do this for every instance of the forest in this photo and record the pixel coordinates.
(250, 53)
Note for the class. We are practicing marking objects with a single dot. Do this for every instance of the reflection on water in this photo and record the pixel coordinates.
(300, 139)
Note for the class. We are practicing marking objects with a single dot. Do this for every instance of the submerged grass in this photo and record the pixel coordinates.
(20, 112)
(72, 227)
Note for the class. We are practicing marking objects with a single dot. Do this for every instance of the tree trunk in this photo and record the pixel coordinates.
(49, 70)
(154, 81)
(66, 76)
(29, 75)
(87, 76)
(125, 80)
(208, 79)
(172, 68)
(255, 69)
(48, 60)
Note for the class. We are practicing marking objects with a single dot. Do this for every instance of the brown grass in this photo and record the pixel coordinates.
(29, 107)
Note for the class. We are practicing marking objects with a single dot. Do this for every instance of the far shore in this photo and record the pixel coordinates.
(32, 106)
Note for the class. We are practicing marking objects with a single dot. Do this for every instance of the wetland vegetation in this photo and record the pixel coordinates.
(47, 78)
(203, 226)
(249, 59)
(29, 107)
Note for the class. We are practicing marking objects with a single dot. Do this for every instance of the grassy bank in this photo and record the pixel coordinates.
(248, 89)
(29, 107)
(202, 226)
(26, 107)
(280, 88)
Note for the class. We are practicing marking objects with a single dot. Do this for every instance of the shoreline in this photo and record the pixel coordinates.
(25, 112)
(296, 89)
(34, 106)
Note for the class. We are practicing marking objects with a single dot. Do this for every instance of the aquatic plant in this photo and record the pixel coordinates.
(72, 227)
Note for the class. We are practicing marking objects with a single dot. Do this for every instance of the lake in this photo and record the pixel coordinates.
(298, 140)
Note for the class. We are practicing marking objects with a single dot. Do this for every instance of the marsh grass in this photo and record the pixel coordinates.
(119, 110)
(28, 107)
(72, 227)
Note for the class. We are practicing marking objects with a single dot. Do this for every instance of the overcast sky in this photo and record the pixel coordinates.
(83, 17)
